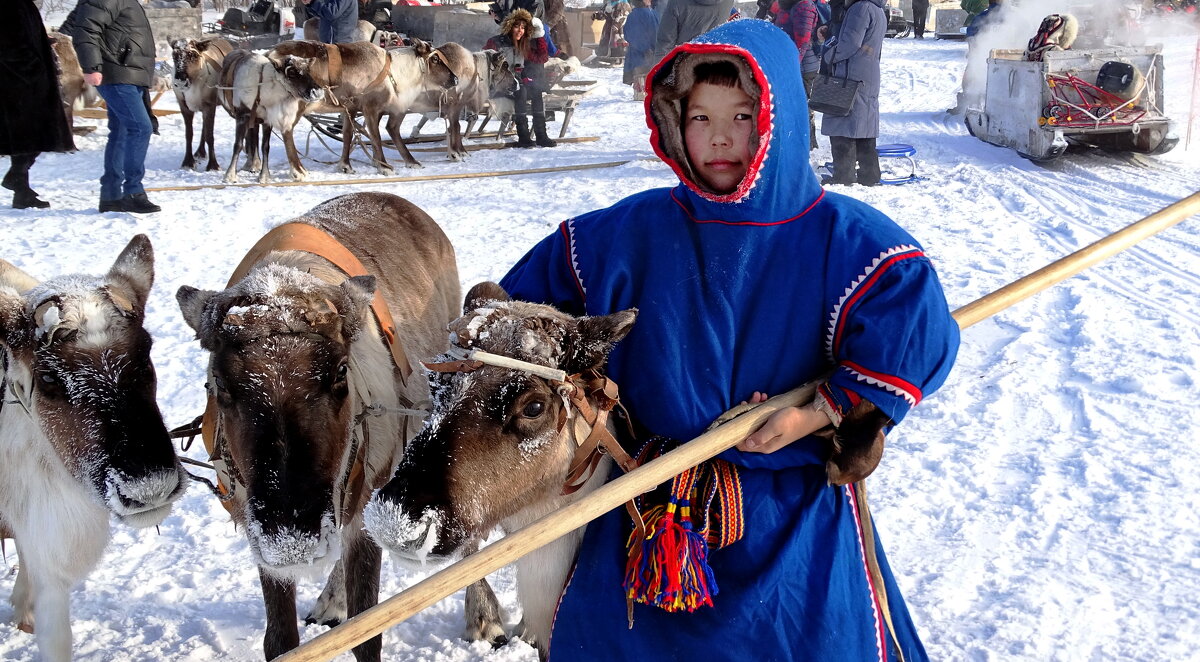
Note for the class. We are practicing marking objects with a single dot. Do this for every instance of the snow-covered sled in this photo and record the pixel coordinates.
(1039, 108)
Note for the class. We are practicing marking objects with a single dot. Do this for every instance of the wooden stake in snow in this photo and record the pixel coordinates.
(549, 528)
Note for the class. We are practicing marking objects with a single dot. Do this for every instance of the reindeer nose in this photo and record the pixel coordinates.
(452, 81)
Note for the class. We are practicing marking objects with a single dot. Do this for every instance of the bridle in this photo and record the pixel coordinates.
(592, 394)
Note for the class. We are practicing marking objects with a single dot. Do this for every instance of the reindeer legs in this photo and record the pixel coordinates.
(280, 598)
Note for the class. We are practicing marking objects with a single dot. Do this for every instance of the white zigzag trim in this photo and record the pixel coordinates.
(908, 397)
(575, 255)
(853, 287)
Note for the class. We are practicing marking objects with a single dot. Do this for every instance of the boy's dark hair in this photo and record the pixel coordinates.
(723, 73)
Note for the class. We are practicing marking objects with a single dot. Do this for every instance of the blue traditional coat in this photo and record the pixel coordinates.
(762, 289)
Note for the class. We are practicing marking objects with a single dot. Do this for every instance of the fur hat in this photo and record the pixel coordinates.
(518, 15)
(668, 91)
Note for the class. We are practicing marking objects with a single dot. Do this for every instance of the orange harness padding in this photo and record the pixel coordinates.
(296, 236)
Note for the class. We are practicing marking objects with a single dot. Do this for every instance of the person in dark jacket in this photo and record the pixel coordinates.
(641, 28)
(116, 51)
(684, 20)
(920, 10)
(522, 40)
(800, 20)
(337, 20)
(32, 116)
(855, 55)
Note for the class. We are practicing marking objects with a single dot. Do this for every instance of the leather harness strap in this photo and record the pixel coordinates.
(333, 69)
(310, 239)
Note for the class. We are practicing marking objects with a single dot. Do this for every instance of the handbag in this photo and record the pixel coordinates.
(832, 95)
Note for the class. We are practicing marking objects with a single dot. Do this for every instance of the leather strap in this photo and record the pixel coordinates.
(297, 236)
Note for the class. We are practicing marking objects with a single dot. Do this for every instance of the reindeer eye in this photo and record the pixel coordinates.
(49, 379)
(533, 409)
(220, 384)
(341, 372)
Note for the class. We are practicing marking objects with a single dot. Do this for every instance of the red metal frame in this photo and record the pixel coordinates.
(1078, 104)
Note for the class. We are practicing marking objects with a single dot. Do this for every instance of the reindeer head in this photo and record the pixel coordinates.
(279, 369)
(502, 82)
(186, 60)
(77, 364)
(498, 440)
(295, 72)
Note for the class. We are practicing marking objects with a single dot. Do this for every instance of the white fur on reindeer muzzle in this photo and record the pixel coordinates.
(409, 539)
(293, 554)
(145, 501)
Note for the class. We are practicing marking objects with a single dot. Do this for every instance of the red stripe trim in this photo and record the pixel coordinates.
(751, 223)
(763, 121)
(880, 633)
(889, 379)
(844, 314)
(570, 243)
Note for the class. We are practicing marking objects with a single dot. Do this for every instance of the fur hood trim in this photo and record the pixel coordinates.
(666, 108)
(506, 27)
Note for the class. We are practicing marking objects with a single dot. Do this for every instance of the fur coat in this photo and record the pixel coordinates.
(32, 117)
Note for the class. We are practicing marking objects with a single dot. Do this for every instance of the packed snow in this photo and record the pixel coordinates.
(1043, 505)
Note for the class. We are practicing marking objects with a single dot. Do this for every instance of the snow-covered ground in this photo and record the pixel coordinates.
(1043, 505)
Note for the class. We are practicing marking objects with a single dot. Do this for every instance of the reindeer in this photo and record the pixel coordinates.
(306, 377)
(76, 92)
(501, 443)
(415, 72)
(197, 76)
(260, 95)
(482, 76)
(346, 72)
(80, 434)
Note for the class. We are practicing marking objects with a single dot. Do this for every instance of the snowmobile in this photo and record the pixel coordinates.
(1110, 98)
(263, 25)
(897, 26)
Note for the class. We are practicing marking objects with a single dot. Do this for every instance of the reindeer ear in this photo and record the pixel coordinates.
(360, 289)
(480, 294)
(132, 275)
(192, 303)
(421, 48)
(14, 323)
(595, 337)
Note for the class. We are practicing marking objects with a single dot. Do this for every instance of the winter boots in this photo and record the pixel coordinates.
(523, 139)
(539, 130)
(17, 181)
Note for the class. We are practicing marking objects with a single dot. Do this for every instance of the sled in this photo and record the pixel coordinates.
(896, 164)
(1038, 109)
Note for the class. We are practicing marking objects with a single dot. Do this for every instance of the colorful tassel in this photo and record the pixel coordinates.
(669, 568)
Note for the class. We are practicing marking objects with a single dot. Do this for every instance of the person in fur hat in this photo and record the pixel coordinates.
(749, 279)
(32, 117)
(522, 40)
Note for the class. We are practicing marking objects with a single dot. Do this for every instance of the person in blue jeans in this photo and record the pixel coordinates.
(116, 52)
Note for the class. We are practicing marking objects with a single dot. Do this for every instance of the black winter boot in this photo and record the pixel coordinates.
(138, 203)
(523, 139)
(24, 199)
(539, 130)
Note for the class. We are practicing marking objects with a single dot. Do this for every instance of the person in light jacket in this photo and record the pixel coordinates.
(855, 55)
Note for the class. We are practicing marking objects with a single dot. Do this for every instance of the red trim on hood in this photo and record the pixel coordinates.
(723, 222)
(764, 126)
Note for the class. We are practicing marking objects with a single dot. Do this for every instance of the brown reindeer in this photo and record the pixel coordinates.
(307, 375)
(75, 91)
(260, 95)
(197, 77)
(345, 71)
(502, 441)
(481, 76)
(81, 436)
(414, 72)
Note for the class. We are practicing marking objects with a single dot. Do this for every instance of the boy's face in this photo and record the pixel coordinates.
(717, 131)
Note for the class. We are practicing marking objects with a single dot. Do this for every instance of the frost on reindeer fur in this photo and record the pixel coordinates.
(294, 554)
(410, 540)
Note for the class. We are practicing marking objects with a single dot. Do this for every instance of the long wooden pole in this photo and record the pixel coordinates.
(551, 527)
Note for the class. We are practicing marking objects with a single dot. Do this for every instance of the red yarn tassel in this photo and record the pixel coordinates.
(671, 571)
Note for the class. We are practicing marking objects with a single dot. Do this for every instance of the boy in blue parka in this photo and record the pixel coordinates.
(750, 280)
